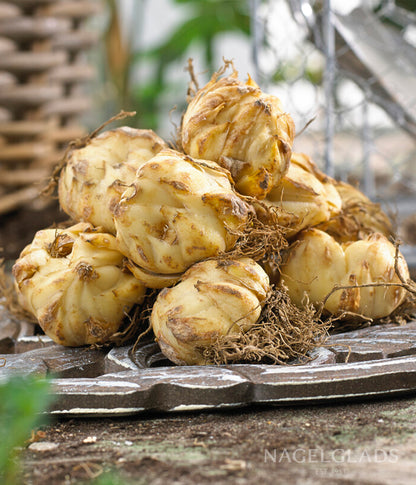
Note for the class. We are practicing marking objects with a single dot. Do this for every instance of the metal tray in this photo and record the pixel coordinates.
(87, 382)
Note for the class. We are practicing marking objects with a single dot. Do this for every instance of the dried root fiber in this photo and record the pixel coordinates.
(283, 333)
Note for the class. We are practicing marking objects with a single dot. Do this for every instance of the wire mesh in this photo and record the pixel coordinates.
(352, 70)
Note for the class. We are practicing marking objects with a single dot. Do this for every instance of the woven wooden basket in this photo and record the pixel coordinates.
(43, 71)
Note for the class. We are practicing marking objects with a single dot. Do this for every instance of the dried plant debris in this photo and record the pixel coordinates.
(284, 332)
(263, 237)
(358, 218)
(136, 325)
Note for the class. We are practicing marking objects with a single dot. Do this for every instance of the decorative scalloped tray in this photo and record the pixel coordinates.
(381, 362)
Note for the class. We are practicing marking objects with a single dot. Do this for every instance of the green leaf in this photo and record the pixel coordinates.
(22, 402)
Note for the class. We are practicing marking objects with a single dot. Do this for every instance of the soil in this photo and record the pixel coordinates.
(360, 443)
(18, 228)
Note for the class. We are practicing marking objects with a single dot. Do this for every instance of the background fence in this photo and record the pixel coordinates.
(351, 68)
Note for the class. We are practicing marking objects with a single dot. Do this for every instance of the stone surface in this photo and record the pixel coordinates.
(365, 363)
(362, 443)
(43, 446)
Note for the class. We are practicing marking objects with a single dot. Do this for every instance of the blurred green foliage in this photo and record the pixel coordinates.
(116, 478)
(206, 20)
(22, 402)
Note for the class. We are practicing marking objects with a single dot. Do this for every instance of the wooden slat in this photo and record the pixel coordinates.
(18, 198)
(50, 159)
(5, 114)
(77, 9)
(6, 79)
(23, 129)
(67, 106)
(32, 28)
(65, 134)
(27, 62)
(71, 73)
(8, 11)
(32, 3)
(21, 152)
(75, 40)
(30, 95)
(15, 178)
(7, 45)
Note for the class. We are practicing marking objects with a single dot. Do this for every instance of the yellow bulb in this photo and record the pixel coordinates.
(317, 263)
(243, 129)
(213, 298)
(75, 283)
(92, 181)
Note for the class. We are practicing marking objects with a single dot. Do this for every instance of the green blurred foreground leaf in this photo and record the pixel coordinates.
(114, 478)
(22, 402)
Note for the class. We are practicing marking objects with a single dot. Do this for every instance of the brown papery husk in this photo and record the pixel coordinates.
(351, 223)
(283, 333)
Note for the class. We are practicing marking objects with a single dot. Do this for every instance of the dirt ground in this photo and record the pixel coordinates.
(19, 227)
(359, 443)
